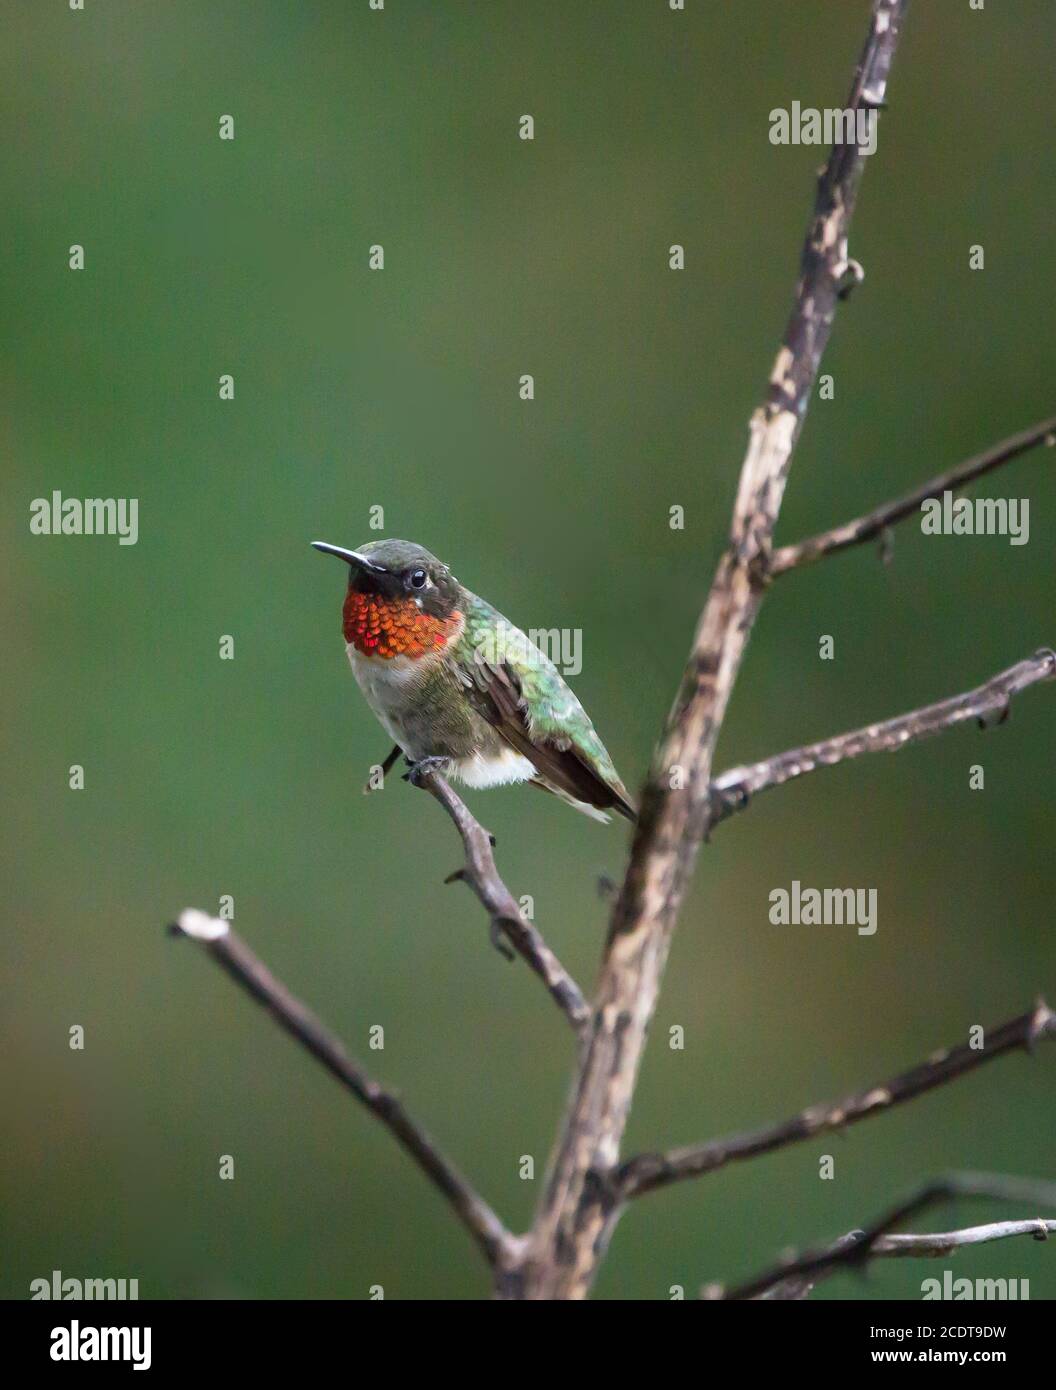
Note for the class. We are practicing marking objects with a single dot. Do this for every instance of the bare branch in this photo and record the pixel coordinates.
(230, 951)
(942, 1243)
(793, 1278)
(507, 920)
(938, 1244)
(575, 1215)
(647, 1172)
(732, 791)
(876, 522)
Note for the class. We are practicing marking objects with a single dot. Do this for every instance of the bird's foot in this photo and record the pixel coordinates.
(422, 768)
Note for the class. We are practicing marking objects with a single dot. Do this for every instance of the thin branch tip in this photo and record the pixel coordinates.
(1043, 1025)
(198, 925)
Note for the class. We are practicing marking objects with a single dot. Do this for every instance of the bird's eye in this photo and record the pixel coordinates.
(418, 578)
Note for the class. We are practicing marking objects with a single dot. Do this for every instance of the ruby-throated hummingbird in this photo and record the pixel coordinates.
(461, 690)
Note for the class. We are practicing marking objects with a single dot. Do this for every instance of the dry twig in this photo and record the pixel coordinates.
(733, 789)
(647, 1172)
(228, 949)
(794, 1278)
(876, 523)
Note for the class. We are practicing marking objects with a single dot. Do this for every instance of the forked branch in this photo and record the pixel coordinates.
(795, 1277)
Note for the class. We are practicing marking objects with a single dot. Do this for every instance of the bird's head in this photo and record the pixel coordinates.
(401, 600)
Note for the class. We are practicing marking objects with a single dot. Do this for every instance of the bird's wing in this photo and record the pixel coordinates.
(580, 766)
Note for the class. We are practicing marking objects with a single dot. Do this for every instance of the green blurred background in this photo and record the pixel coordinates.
(207, 777)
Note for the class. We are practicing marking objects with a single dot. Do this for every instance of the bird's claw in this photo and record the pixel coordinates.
(418, 771)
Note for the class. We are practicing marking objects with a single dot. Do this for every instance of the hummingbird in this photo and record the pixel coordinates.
(460, 690)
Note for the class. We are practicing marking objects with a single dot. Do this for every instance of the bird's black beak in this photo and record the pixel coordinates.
(373, 576)
(353, 557)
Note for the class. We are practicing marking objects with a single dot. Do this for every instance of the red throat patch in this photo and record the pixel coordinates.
(386, 627)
